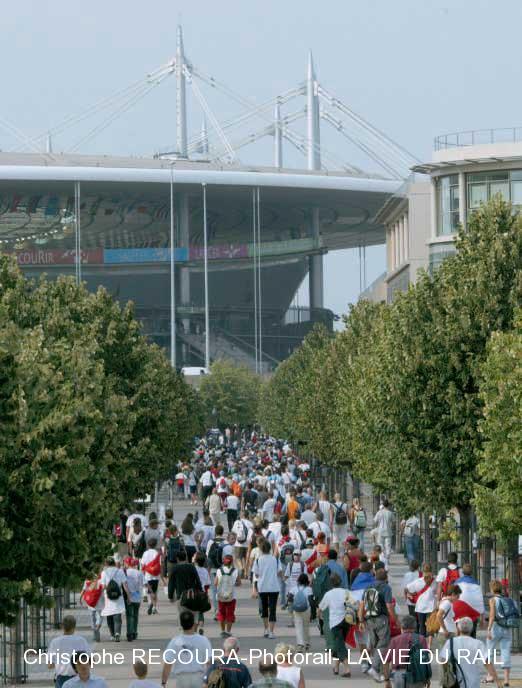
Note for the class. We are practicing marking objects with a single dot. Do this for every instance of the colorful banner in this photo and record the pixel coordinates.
(42, 256)
(280, 248)
(225, 251)
(144, 255)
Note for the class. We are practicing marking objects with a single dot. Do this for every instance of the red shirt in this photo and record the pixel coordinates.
(402, 642)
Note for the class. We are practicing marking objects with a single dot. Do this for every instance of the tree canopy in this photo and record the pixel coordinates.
(230, 395)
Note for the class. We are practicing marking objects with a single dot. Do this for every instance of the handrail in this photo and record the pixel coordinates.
(474, 137)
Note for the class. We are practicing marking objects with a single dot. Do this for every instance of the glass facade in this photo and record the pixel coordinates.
(448, 205)
(483, 186)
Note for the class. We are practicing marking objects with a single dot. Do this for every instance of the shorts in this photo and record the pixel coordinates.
(193, 489)
(153, 585)
(240, 551)
(226, 611)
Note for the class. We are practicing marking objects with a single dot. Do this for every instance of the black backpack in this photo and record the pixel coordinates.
(416, 671)
(215, 554)
(176, 545)
(140, 546)
(113, 590)
(340, 519)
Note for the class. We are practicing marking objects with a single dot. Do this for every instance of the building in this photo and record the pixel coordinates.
(423, 217)
(266, 229)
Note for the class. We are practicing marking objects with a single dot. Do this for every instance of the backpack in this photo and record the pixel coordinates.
(506, 613)
(360, 519)
(321, 582)
(341, 519)
(215, 554)
(416, 670)
(449, 670)
(93, 592)
(140, 546)
(286, 553)
(113, 590)
(351, 610)
(374, 604)
(176, 545)
(216, 678)
(244, 534)
(300, 603)
(451, 576)
(225, 589)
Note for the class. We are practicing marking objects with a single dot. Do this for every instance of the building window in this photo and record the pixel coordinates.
(438, 254)
(448, 205)
(484, 186)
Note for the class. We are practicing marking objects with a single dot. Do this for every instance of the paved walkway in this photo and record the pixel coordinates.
(156, 631)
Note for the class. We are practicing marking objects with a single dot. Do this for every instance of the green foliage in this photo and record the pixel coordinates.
(498, 497)
(230, 395)
(91, 414)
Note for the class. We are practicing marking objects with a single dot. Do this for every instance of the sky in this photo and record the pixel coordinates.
(413, 68)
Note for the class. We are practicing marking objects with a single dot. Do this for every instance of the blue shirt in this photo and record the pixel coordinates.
(335, 567)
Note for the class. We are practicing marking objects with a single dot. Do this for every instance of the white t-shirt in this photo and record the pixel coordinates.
(275, 528)
(426, 602)
(65, 645)
(441, 576)
(206, 479)
(321, 527)
(334, 600)
(233, 502)
(472, 595)
(266, 569)
(384, 520)
(204, 576)
(411, 526)
(471, 664)
(290, 674)
(197, 651)
(239, 528)
(325, 508)
(292, 573)
(308, 517)
(408, 578)
(449, 616)
(113, 606)
(268, 509)
(147, 557)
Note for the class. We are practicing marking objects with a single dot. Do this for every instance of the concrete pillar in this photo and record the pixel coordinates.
(433, 208)
(401, 241)
(184, 242)
(389, 249)
(397, 245)
(406, 238)
(392, 248)
(315, 268)
(462, 199)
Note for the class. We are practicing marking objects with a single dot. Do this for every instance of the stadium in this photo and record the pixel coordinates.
(212, 252)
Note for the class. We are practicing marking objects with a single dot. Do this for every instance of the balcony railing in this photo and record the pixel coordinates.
(477, 137)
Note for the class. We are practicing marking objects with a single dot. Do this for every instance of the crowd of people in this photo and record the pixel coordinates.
(258, 521)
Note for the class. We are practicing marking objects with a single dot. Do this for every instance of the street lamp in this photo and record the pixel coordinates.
(172, 274)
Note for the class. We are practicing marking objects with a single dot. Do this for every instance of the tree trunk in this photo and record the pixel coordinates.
(465, 533)
(514, 579)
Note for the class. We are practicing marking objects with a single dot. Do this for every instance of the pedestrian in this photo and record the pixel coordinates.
(114, 583)
(151, 566)
(135, 582)
(411, 575)
(232, 506)
(187, 655)
(447, 575)
(137, 514)
(213, 504)
(335, 626)
(200, 562)
(187, 533)
(227, 579)
(92, 597)
(233, 672)
(445, 613)
(267, 570)
(375, 611)
(141, 681)
(268, 671)
(339, 521)
(411, 532)
(400, 664)
(206, 481)
(286, 669)
(335, 567)
(384, 520)
(83, 677)
(500, 635)
(63, 646)
(468, 655)
(193, 487)
(358, 521)
(301, 609)
(242, 528)
(136, 539)
(422, 592)
(471, 599)
(183, 577)
(214, 552)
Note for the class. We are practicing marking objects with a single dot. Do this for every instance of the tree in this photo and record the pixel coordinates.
(91, 415)
(499, 495)
(230, 395)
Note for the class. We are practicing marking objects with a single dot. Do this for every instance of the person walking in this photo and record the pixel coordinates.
(268, 671)
(468, 655)
(339, 522)
(92, 597)
(232, 506)
(399, 659)
(358, 521)
(187, 655)
(499, 635)
(301, 609)
(83, 677)
(267, 570)
(135, 582)
(286, 669)
(227, 579)
(384, 520)
(422, 592)
(114, 583)
(375, 612)
(235, 673)
(151, 567)
(334, 601)
(63, 646)
(183, 577)
(411, 533)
